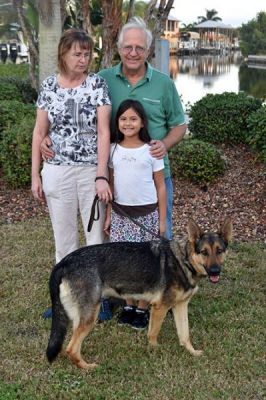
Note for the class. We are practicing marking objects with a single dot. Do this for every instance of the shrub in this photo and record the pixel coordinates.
(29, 94)
(222, 118)
(256, 136)
(197, 161)
(15, 152)
(12, 88)
(12, 111)
(9, 90)
(15, 70)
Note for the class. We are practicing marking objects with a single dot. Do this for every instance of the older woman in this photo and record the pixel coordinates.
(73, 108)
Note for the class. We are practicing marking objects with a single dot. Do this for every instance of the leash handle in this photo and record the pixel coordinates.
(95, 207)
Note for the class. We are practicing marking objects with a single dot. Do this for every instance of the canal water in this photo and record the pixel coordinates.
(196, 76)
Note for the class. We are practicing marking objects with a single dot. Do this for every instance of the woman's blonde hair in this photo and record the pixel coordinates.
(69, 37)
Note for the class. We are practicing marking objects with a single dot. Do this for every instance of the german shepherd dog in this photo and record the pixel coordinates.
(164, 273)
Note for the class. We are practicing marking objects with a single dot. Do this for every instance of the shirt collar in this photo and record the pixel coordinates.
(148, 75)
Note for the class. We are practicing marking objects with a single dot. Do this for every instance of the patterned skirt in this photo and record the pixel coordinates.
(123, 229)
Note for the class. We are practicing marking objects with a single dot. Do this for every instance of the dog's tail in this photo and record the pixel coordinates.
(59, 317)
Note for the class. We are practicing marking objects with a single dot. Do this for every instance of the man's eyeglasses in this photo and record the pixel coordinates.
(128, 49)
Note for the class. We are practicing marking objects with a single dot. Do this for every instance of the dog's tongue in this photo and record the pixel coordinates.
(214, 278)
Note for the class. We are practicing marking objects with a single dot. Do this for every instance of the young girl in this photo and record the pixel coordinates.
(137, 181)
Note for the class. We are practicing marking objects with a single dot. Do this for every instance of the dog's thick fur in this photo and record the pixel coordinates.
(165, 273)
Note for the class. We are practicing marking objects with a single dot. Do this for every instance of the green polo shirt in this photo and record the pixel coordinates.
(158, 95)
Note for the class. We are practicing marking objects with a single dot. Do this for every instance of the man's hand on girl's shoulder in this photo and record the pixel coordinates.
(157, 149)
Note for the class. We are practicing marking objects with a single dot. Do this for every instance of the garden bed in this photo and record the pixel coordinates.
(240, 193)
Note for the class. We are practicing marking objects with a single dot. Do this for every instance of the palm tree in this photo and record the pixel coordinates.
(50, 30)
(28, 33)
(78, 14)
(188, 27)
(210, 15)
(112, 19)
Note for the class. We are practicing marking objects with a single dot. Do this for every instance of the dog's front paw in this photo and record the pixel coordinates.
(191, 349)
(153, 341)
(196, 353)
(84, 365)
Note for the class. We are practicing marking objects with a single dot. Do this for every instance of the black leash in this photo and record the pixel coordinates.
(95, 208)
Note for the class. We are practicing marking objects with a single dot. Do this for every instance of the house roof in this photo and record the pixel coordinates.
(172, 18)
(213, 24)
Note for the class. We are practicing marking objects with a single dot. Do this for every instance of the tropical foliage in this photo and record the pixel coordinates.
(210, 15)
(253, 35)
(28, 24)
(102, 19)
(7, 20)
(188, 27)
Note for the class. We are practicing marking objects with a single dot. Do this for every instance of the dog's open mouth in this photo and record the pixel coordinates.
(214, 278)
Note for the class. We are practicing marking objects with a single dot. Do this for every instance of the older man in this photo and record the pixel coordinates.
(134, 78)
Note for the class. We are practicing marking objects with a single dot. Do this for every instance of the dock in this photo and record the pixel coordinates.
(256, 61)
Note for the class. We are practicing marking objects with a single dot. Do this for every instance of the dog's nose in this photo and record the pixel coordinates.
(214, 269)
(214, 273)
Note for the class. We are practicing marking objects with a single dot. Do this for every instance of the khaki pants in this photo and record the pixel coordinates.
(69, 189)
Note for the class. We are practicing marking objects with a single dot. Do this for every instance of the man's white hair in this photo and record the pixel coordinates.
(135, 23)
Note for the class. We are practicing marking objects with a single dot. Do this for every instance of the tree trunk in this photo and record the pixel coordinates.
(160, 19)
(112, 16)
(150, 11)
(131, 10)
(50, 31)
(63, 11)
(33, 51)
(86, 23)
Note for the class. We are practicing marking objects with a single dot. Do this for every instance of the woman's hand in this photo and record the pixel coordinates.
(106, 226)
(103, 190)
(36, 188)
(107, 222)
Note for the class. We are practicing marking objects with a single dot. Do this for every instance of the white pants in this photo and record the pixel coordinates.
(69, 189)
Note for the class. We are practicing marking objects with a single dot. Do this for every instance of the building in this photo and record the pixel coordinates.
(209, 37)
(171, 33)
(215, 36)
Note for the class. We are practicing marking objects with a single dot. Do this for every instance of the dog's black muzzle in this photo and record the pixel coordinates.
(214, 273)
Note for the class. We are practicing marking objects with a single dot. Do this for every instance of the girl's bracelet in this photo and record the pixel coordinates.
(101, 177)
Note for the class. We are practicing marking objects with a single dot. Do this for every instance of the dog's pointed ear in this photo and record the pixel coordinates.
(226, 230)
(193, 230)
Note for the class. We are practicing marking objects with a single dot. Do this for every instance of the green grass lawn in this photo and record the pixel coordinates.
(227, 321)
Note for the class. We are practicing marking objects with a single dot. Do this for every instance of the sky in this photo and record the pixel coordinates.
(234, 12)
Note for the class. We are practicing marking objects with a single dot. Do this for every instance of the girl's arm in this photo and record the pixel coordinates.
(40, 131)
(103, 128)
(158, 177)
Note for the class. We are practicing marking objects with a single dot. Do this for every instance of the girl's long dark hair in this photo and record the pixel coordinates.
(117, 136)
